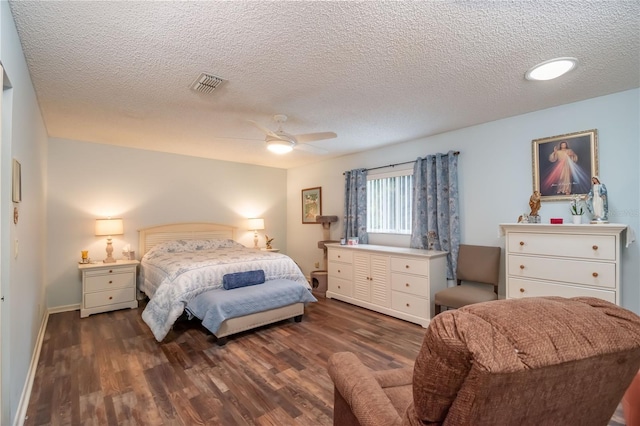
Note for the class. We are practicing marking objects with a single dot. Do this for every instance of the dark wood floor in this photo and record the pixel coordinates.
(108, 369)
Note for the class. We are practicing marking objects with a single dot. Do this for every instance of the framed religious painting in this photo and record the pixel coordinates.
(564, 165)
(311, 204)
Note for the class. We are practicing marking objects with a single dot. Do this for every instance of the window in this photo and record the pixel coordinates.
(389, 202)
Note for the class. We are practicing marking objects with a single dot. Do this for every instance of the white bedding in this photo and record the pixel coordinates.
(174, 272)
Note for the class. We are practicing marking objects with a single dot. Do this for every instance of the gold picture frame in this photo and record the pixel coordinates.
(16, 193)
(311, 204)
(563, 165)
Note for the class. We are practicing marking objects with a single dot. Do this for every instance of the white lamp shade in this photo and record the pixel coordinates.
(109, 227)
(256, 224)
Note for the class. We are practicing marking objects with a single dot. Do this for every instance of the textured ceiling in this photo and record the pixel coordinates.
(376, 73)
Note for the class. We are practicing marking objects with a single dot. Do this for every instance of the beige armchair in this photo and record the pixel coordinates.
(479, 265)
(532, 361)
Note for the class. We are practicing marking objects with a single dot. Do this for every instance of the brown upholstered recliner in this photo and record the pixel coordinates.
(477, 264)
(531, 361)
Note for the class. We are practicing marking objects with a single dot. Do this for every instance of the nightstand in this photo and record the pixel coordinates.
(271, 250)
(108, 286)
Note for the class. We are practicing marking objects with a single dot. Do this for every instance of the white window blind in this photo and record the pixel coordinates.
(389, 202)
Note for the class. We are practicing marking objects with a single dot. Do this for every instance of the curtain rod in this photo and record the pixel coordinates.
(406, 162)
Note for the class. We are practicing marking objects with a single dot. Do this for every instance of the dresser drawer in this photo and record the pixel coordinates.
(337, 255)
(413, 284)
(340, 286)
(110, 297)
(517, 288)
(107, 282)
(410, 266)
(410, 304)
(594, 247)
(598, 274)
(341, 270)
(109, 271)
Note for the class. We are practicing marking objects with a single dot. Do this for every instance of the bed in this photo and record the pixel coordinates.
(178, 265)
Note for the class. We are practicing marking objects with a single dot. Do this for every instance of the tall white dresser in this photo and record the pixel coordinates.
(563, 260)
(396, 281)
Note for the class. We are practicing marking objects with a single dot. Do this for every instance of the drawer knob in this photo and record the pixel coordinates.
(595, 275)
(521, 243)
(338, 256)
(522, 290)
(110, 270)
(338, 270)
(521, 266)
(110, 297)
(406, 284)
(406, 266)
(110, 282)
(594, 247)
(339, 287)
(407, 305)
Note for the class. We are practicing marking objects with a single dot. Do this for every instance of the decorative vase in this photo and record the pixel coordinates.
(577, 219)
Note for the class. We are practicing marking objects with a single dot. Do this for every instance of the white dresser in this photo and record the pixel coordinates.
(563, 260)
(396, 281)
(108, 286)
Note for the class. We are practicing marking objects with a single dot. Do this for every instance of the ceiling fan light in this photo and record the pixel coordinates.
(553, 68)
(279, 146)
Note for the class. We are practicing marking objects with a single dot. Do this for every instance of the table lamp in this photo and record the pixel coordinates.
(255, 225)
(109, 227)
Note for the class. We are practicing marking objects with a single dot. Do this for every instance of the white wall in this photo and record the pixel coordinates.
(495, 177)
(89, 181)
(24, 138)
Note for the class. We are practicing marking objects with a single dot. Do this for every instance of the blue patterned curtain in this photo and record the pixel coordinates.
(355, 205)
(435, 206)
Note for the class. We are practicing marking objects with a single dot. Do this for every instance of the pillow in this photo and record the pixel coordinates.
(242, 279)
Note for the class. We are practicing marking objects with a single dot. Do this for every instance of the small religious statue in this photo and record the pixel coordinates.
(266, 237)
(597, 201)
(534, 203)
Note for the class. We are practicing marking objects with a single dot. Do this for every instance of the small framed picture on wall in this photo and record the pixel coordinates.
(311, 204)
(564, 165)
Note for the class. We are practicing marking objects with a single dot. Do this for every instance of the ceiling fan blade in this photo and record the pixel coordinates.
(310, 149)
(310, 137)
(264, 129)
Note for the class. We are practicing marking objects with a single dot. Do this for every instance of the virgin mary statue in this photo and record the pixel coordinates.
(597, 201)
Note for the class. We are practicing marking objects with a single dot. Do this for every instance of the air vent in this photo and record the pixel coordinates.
(206, 83)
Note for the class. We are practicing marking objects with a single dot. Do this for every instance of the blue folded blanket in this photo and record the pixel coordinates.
(242, 279)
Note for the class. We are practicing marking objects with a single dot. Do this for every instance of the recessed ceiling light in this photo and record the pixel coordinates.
(553, 68)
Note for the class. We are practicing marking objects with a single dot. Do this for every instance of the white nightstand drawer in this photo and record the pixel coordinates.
(109, 270)
(595, 247)
(341, 270)
(413, 284)
(107, 282)
(410, 266)
(104, 298)
(518, 288)
(340, 286)
(337, 255)
(598, 274)
(410, 304)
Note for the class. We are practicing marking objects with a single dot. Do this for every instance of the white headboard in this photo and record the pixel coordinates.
(149, 237)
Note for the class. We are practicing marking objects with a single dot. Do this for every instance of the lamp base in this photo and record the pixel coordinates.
(109, 258)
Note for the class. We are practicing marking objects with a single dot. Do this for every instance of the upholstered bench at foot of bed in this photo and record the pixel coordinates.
(226, 312)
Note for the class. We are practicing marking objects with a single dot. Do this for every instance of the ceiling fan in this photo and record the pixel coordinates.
(281, 142)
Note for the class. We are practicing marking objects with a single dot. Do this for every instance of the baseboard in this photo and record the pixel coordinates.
(66, 308)
(28, 386)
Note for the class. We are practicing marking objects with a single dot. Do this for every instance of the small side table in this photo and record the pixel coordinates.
(274, 250)
(108, 286)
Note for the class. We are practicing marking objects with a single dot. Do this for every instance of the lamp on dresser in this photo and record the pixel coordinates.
(109, 227)
(255, 225)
